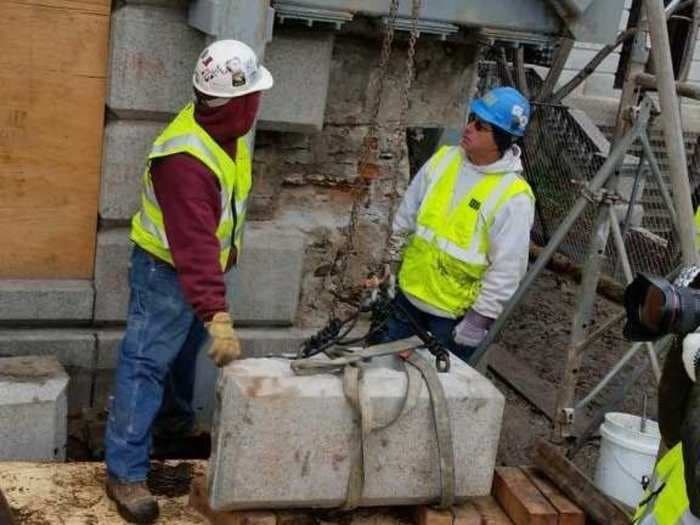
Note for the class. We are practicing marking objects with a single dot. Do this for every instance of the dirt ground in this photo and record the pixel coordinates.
(538, 334)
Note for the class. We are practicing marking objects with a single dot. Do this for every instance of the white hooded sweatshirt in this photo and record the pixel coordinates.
(509, 236)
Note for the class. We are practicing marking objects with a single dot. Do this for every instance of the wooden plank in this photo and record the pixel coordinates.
(425, 515)
(52, 92)
(569, 512)
(524, 380)
(97, 7)
(521, 500)
(574, 483)
(466, 514)
(491, 513)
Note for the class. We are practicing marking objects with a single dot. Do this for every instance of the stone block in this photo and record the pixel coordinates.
(39, 300)
(33, 409)
(74, 349)
(260, 400)
(111, 275)
(126, 145)
(254, 343)
(106, 362)
(301, 65)
(600, 85)
(264, 288)
(151, 77)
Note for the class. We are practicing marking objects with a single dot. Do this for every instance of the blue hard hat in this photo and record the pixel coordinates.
(504, 107)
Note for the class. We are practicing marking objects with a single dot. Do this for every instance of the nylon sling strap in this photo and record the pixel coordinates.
(352, 364)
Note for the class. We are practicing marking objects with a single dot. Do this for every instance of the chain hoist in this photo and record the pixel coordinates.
(368, 168)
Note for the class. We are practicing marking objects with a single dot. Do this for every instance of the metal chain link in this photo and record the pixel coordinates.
(367, 167)
(400, 132)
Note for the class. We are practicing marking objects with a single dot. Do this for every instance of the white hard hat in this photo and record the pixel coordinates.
(229, 68)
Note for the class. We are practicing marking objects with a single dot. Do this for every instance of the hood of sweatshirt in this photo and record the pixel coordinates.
(509, 162)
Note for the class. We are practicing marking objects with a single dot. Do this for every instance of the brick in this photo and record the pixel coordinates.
(33, 409)
(75, 350)
(466, 514)
(151, 77)
(569, 512)
(520, 499)
(45, 300)
(300, 64)
(111, 275)
(429, 516)
(261, 400)
(491, 513)
(126, 145)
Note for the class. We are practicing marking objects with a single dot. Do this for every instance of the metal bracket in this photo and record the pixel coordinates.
(405, 23)
(311, 15)
(603, 195)
(566, 419)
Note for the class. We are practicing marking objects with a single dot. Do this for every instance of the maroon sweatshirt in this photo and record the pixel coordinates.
(189, 196)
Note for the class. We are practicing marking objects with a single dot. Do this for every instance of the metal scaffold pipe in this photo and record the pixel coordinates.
(673, 131)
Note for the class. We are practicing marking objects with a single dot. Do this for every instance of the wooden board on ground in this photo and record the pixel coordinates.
(52, 97)
(574, 483)
(521, 500)
(491, 513)
(520, 376)
(73, 493)
(569, 512)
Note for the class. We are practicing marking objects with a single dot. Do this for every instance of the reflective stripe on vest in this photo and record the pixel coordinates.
(446, 257)
(184, 135)
(667, 500)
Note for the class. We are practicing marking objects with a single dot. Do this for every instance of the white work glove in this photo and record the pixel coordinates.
(691, 354)
(472, 329)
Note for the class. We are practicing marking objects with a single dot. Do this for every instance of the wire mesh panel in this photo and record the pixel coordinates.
(561, 156)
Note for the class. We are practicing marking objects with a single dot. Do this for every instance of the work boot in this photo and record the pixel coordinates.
(134, 501)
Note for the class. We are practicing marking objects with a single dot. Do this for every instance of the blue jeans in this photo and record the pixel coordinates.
(398, 327)
(155, 372)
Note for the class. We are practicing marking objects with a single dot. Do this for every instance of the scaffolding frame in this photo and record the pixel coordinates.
(631, 125)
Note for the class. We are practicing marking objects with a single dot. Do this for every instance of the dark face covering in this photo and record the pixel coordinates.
(227, 123)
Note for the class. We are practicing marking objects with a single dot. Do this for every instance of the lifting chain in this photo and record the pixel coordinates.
(368, 170)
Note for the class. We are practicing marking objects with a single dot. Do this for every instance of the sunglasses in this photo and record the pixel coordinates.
(479, 124)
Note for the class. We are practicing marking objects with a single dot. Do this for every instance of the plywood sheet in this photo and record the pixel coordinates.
(52, 92)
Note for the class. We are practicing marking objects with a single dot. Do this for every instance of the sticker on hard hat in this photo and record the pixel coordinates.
(519, 117)
(237, 79)
(489, 99)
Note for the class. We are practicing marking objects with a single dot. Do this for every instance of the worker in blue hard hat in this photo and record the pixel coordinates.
(461, 235)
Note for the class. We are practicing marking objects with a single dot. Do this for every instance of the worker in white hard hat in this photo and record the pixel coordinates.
(461, 234)
(186, 235)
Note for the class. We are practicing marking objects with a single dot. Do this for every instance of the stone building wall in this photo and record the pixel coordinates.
(306, 148)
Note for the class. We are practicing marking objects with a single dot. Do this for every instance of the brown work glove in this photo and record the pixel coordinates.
(225, 346)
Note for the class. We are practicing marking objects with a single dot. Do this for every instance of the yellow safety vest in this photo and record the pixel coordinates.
(665, 501)
(446, 257)
(697, 230)
(184, 135)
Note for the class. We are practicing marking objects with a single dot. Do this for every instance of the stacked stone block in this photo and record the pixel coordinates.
(33, 408)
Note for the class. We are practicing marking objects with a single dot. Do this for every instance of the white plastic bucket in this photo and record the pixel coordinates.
(626, 456)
